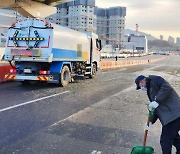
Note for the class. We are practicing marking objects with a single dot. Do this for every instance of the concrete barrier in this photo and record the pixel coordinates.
(105, 65)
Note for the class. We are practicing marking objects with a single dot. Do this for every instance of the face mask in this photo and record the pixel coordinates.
(143, 88)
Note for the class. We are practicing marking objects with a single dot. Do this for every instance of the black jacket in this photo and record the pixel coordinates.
(160, 90)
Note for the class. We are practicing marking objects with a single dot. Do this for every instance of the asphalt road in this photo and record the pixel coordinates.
(104, 115)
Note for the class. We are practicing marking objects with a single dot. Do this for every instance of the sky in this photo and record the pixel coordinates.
(155, 17)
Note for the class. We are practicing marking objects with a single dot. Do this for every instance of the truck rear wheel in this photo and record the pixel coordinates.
(65, 76)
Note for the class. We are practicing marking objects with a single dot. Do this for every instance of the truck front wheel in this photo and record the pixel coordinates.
(94, 71)
(65, 76)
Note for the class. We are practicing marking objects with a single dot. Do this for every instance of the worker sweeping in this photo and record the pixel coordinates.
(166, 105)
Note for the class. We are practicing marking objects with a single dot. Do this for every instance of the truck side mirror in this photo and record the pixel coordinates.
(98, 44)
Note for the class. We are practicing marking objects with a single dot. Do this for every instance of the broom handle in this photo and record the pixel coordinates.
(146, 132)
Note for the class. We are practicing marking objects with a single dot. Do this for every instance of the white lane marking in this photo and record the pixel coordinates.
(79, 112)
(96, 152)
(29, 102)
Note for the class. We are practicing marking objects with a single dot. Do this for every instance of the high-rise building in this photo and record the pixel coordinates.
(171, 40)
(78, 15)
(82, 15)
(161, 37)
(178, 41)
(111, 24)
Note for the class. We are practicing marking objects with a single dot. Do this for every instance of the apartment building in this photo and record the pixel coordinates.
(78, 15)
(111, 24)
(82, 15)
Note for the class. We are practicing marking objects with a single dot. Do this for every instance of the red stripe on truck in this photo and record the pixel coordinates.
(45, 78)
(48, 43)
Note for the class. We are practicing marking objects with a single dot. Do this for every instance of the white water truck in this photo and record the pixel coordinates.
(42, 51)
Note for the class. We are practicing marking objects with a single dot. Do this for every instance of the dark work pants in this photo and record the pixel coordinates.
(170, 136)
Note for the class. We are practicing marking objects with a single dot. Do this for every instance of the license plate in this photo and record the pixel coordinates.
(27, 71)
(24, 52)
